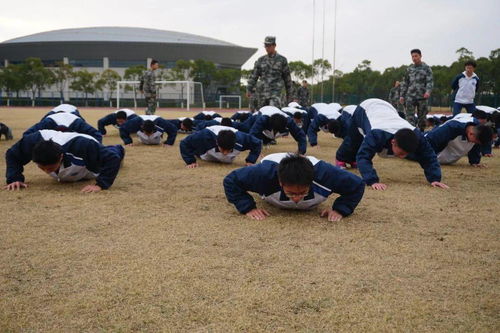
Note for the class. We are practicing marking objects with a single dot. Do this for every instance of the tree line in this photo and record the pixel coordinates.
(363, 82)
(33, 77)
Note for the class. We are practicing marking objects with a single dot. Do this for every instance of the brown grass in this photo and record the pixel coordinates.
(162, 250)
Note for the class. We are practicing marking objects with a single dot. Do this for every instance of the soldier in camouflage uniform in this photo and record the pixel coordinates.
(394, 95)
(303, 94)
(272, 70)
(148, 87)
(253, 100)
(416, 89)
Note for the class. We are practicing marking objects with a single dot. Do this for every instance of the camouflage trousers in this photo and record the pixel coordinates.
(422, 110)
(151, 103)
(273, 101)
(400, 108)
(253, 103)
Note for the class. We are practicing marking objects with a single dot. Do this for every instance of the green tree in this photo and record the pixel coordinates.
(134, 73)
(299, 70)
(36, 76)
(108, 79)
(442, 77)
(246, 73)
(230, 78)
(203, 71)
(494, 60)
(14, 80)
(321, 67)
(182, 71)
(245, 76)
(86, 82)
(62, 75)
(464, 53)
(361, 83)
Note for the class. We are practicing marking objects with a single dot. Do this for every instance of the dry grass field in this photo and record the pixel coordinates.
(163, 251)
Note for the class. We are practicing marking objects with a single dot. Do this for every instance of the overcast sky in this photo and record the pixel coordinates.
(382, 31)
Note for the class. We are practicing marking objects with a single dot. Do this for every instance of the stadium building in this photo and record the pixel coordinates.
(99, 48)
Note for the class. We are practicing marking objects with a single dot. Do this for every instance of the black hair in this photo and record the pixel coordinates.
(278, 122)
(470, 63)
(148, 126)
(334, 127)
(295, 170)
(431, 121)
(226, 122)
(479, 114)
(297, 115)
(484, 134)
(121, 115)
(407, 140)
(495, 118)
(443, 119)
(154, 61)
(208, 117)
(226, 139)
(244, 116)
(46, 152)
(188, 123)
(304, 81)
(416, 51)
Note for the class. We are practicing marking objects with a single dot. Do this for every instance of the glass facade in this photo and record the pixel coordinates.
(51, 63)
(86, 62)
(167, 64)
(126, 63)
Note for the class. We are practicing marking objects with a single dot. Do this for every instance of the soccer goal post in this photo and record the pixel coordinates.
(183, 93)
(226, 97)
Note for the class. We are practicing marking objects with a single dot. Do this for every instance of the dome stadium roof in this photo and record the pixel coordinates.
(117, 34)
(122, 46)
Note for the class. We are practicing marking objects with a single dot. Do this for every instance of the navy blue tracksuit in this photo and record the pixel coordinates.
(263, 179)
(65, 122)
(82, 155)
(110, 119)
(201, 142)
(453, 132)
(262, 130)
(134, 126)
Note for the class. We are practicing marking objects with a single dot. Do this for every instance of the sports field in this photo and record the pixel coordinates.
(163, 250)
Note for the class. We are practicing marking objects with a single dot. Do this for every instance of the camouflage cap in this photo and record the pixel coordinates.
(270, 40)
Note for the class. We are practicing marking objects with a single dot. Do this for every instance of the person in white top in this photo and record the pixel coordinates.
(465, 86)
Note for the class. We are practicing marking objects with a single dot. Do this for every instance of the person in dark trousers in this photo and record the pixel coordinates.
(464, 87)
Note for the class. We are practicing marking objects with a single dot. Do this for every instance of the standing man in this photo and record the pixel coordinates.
(416, 90)
(273, 71)
(394, 95)
(303, 94)
(148, 87)
(254, 99)
(465, 86)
